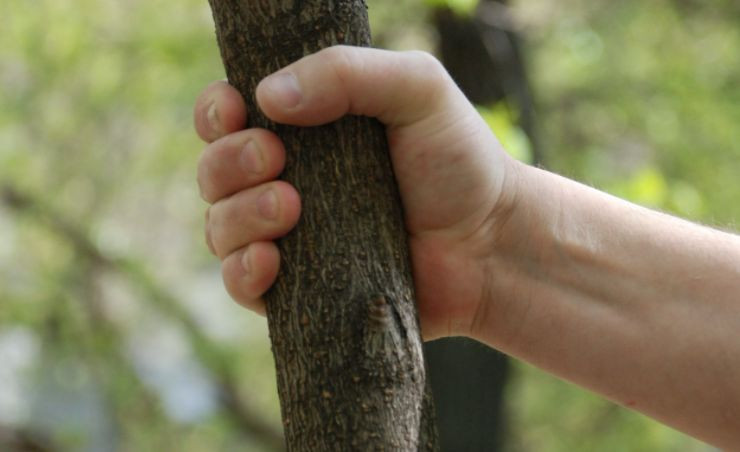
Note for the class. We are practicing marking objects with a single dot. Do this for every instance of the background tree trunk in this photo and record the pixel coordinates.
(468, 381)
(342, 318)
(482, 53)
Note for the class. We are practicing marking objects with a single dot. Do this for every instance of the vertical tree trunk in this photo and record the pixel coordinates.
(483, 55)
(342, 318)
(468, 381)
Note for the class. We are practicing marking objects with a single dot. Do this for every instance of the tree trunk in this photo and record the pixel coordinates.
(483, 55)
(468, 380)
(342, 318)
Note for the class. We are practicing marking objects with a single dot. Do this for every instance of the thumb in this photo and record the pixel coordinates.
(398, 88)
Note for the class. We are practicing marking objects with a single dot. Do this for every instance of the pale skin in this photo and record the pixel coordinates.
(638, 306)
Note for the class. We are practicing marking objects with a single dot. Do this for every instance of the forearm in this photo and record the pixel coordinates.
(638, 306)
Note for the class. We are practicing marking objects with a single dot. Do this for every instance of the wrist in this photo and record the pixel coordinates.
(519, 235)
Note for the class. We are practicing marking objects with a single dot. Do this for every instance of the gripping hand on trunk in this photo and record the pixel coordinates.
(456, 183)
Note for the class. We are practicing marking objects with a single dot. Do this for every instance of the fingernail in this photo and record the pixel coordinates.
(209, 239)
(201, 192)
(251, 158)
(212, 117)
(267, 205)
(245, 261)
(283, 89)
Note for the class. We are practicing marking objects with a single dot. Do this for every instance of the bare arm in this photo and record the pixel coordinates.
(638, 306)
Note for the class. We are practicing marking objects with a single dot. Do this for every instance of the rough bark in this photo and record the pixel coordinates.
(342, 318)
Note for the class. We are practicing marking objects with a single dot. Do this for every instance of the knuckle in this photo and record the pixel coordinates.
(230, 216)
(205, 116)
(428, 66)
(201, 102)
(209, 234)
(336, 54)
(209, 242)
(343, 60)
(424, 58)
(215, 227)
(215, 213)
(232, 282)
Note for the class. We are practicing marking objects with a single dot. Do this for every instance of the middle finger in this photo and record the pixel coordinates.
(260, 213)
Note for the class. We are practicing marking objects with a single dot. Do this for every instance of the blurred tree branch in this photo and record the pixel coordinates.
(483, 53)
(22, 440)
(211, 356)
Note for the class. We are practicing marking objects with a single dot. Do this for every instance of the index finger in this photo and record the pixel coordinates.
(219, 110)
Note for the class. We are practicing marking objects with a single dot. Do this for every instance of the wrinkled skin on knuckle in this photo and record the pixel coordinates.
(342, 59)
(430, 88)
(346, 63)
(432, 72)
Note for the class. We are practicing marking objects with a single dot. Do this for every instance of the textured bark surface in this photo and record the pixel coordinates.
(342, 317)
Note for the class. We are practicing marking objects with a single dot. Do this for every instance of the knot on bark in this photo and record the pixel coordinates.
(384, 329)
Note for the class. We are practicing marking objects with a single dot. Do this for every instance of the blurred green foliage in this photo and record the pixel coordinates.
(463, 7)
(115, 332)
(642, 99)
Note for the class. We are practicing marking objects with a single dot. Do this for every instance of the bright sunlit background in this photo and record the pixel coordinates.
(115, 331)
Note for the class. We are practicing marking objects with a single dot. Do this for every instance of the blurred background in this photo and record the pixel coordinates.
(115, 330)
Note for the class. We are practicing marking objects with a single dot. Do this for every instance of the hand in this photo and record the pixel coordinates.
(456, 183)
